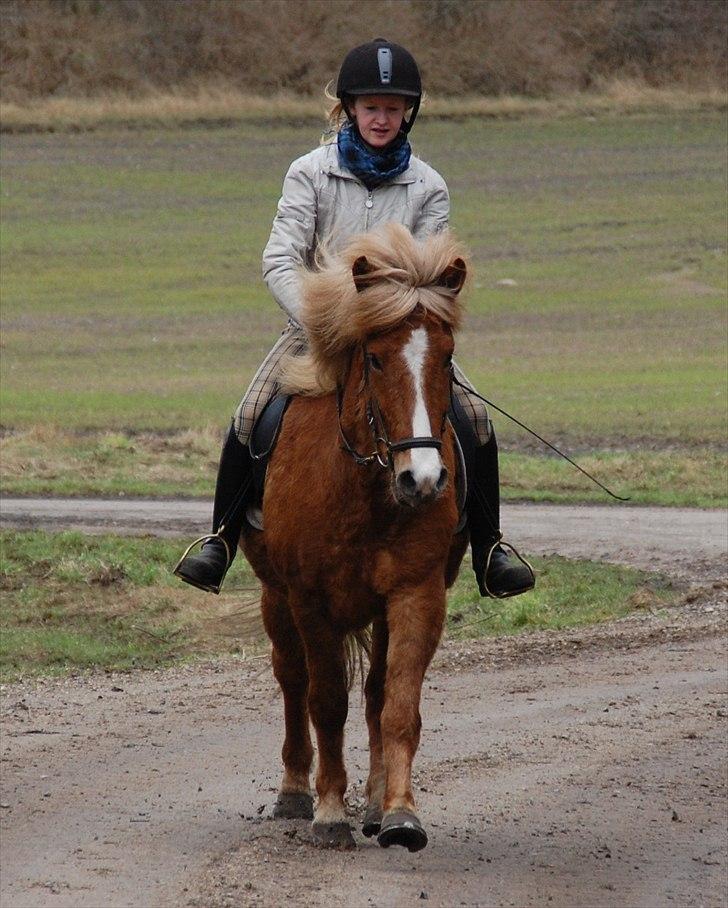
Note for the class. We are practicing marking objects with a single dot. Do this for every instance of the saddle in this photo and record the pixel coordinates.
(268, 427)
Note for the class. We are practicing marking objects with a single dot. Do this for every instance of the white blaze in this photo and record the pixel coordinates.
(425, 462)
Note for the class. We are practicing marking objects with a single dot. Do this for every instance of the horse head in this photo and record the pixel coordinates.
(407, 374)
(380, 318)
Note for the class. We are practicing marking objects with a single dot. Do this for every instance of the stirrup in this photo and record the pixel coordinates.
(207, 588)
(499, 541)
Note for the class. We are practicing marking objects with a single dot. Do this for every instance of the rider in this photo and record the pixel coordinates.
(365, 176)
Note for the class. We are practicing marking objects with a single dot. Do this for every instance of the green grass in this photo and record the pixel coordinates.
(682, 478)
(567, 594)
(72, 602)
(132, 297)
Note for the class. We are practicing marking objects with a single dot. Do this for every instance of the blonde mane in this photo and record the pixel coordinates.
(402, 273)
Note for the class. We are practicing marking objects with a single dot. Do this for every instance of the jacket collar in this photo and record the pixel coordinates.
(334, 169)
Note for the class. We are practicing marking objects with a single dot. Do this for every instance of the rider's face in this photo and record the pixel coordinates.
(379, 118)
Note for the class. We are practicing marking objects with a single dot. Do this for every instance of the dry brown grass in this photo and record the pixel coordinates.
(214, 106)
(175, 108)
(44, 459)
(79, 64)
(231, 624)
(489, 47)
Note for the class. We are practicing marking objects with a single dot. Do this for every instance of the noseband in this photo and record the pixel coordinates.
(379, 432)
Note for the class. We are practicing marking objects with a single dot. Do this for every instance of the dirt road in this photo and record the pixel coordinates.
(580, 768)
(577, 769)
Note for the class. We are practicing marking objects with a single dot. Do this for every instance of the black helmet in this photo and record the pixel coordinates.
(380, 68)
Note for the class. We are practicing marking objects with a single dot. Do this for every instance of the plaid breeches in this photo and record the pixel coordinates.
(264, 385)
(292, 341)
(474, 408)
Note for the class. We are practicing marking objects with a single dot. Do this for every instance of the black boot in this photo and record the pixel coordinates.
(498, 574)
(207, 569)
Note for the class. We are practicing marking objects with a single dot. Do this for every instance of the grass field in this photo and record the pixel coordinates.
(71, 602)
(133, 303)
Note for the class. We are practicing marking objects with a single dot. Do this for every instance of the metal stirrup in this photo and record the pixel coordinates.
(499, 541)
(204, 539)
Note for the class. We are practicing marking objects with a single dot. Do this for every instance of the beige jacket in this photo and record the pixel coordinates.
(323, 200)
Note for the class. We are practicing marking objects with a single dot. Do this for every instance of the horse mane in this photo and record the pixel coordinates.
(402, 274)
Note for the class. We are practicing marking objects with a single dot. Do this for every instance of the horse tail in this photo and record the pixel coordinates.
(357, 646)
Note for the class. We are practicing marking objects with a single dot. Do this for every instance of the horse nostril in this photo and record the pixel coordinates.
(406, 482)
(442, 481)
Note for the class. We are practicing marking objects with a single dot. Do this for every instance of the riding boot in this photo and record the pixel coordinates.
(498, 575)
(207, 569)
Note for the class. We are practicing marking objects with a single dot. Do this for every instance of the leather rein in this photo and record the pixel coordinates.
(378, 429)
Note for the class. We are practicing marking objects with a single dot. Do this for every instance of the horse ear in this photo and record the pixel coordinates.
(453, 277)
(361, 271)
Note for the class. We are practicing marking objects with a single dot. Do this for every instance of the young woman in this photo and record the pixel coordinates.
(366, 177)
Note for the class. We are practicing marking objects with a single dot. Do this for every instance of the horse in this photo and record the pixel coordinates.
(360, 534)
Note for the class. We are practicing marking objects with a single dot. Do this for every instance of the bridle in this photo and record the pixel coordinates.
(378, 429)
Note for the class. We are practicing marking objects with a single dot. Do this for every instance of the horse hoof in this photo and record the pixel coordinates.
(401, 827)
(293, 805)
(334, 835)
(372, 821)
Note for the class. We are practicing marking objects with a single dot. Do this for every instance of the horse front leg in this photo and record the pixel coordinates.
(289, 667)
(328, 705)
(415, 619)
(374, 692)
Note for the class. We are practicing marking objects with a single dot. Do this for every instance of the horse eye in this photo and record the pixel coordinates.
(448, 360)
(374, 362)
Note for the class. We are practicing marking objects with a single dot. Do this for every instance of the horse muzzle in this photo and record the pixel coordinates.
(413, 491)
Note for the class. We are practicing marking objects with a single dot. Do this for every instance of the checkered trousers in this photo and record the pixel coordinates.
(474, 408)
(293, 341)
(264, 385)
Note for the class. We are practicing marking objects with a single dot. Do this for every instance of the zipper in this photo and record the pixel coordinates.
(368, 205)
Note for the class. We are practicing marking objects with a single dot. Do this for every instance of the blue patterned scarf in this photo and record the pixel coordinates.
(372, 167)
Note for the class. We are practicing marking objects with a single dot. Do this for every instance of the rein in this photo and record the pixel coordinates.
(536, 435)
(380, 437)
(378, 430)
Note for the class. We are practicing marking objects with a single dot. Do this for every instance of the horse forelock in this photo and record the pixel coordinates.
(403, 273)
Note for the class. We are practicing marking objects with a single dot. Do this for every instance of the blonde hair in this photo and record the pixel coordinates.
(336, 117)
(402, 273)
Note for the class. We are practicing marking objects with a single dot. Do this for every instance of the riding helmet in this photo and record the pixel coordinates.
(380, 68)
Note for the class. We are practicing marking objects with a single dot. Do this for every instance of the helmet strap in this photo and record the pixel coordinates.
(345, 99)
(408, 124)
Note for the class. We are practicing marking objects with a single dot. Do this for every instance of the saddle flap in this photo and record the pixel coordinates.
(465, 444)
(461, 484)
(263, 439)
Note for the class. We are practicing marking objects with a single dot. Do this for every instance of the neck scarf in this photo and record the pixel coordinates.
(373, 167)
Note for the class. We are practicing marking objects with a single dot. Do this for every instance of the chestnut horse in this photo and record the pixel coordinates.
(360, 518)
